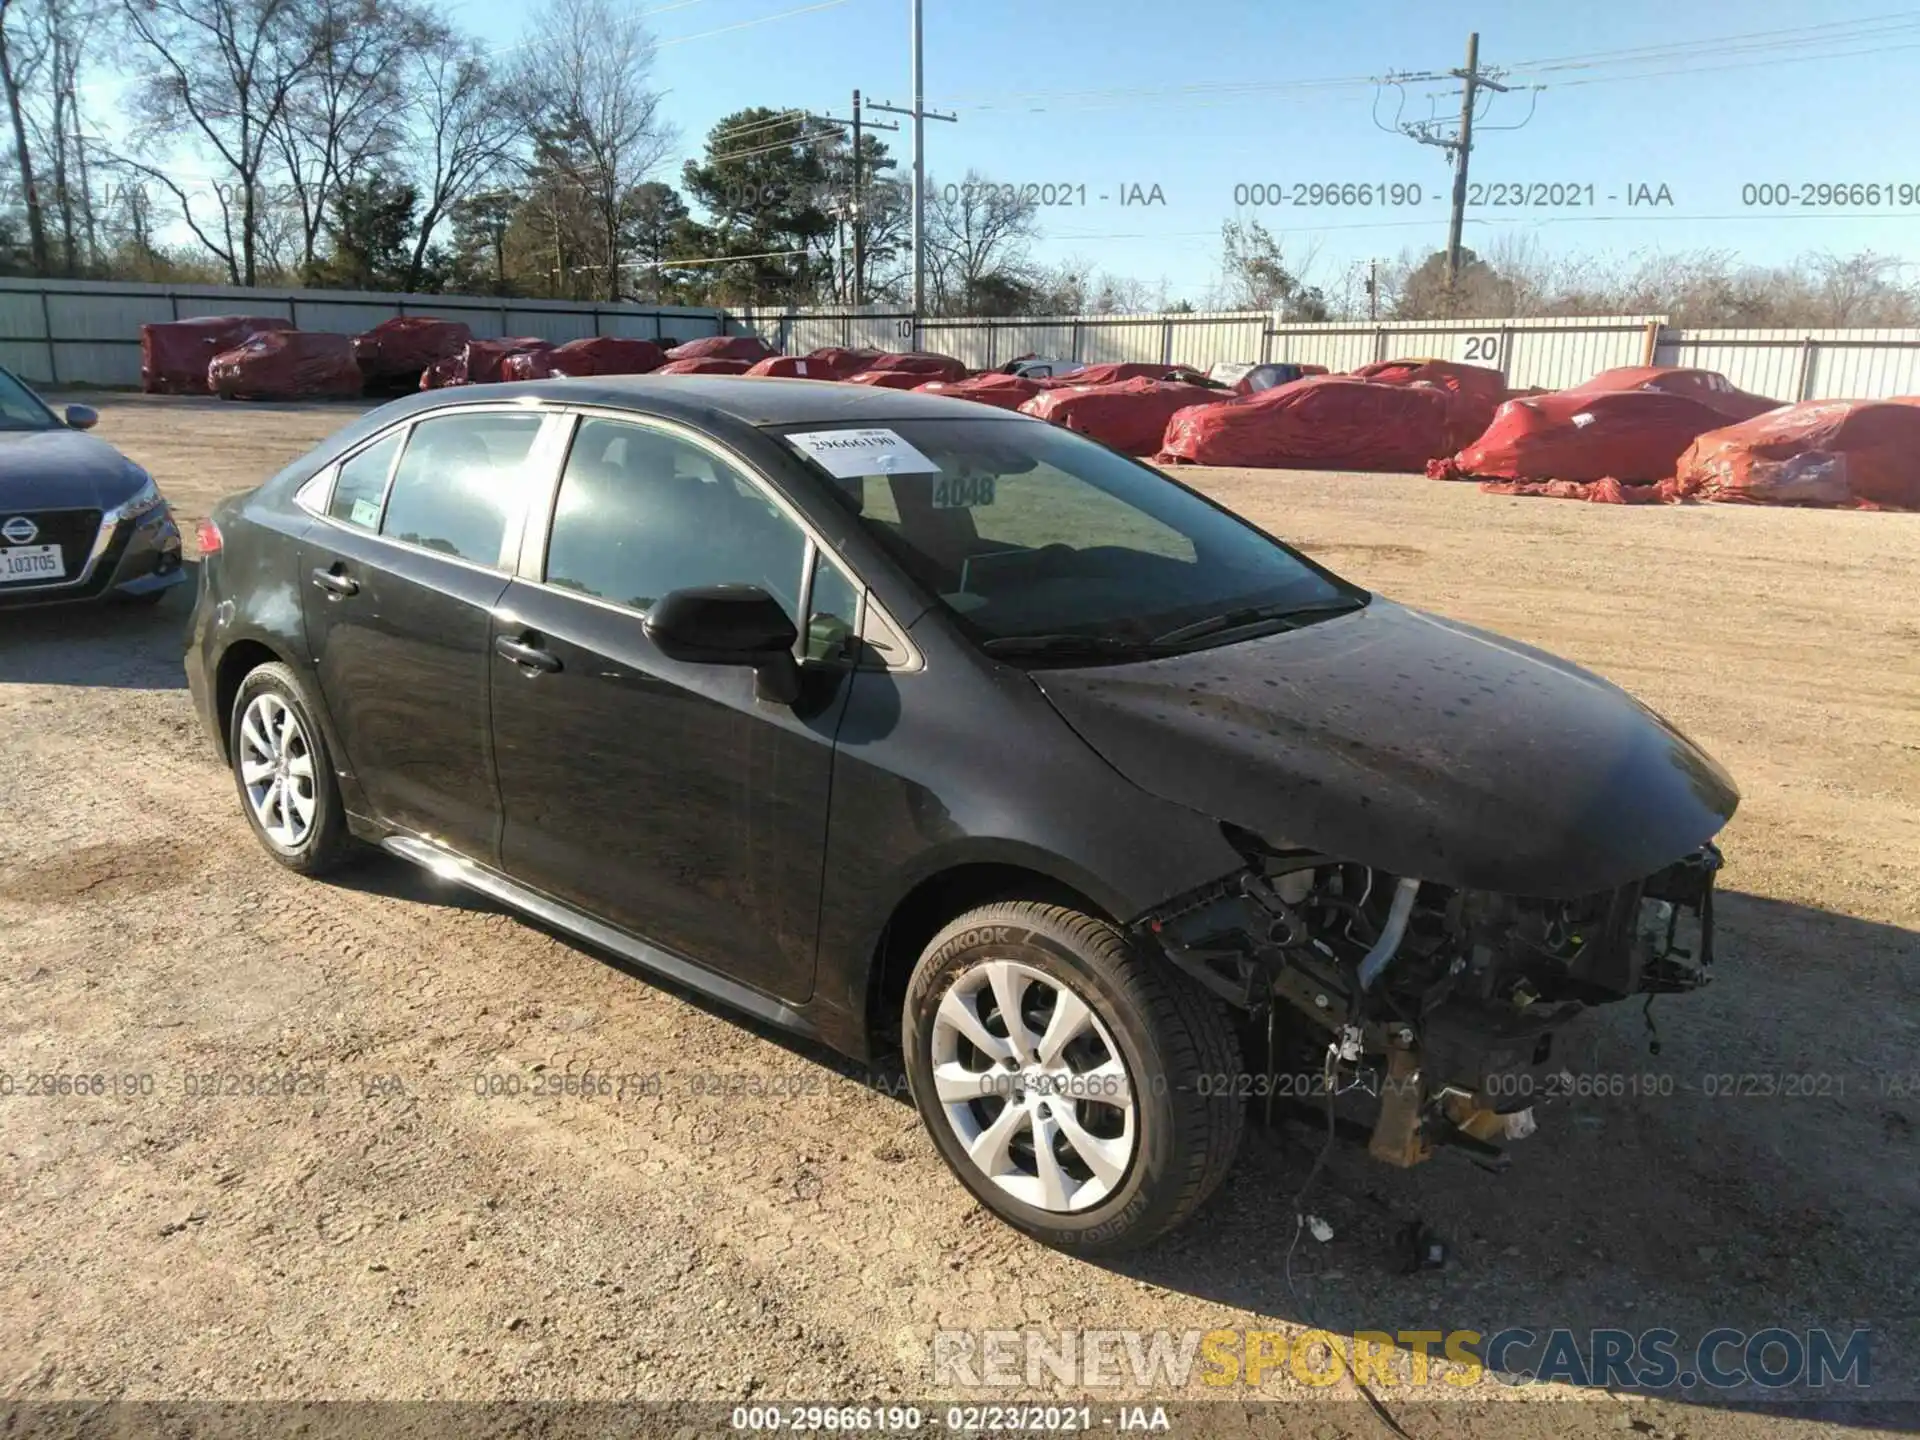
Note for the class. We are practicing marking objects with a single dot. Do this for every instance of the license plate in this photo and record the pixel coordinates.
(31, 562)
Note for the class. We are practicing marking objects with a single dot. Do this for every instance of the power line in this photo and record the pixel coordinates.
(1457, 143)
(1797, 38)
(749, 24)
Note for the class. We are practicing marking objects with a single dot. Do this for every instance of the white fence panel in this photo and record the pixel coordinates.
(1107, 341)
(1550, 351)
(88, 331)
(1793, 365)
(1238, 338)
(1338, 347)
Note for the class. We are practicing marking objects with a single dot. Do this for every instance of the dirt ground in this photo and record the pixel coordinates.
(403, 1235)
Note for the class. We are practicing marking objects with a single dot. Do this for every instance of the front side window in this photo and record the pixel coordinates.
(455, 487)
(1037, 540)
(642, 512)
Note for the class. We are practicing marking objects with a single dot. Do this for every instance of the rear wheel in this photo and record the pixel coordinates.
(285, 775)
(1064, 1076)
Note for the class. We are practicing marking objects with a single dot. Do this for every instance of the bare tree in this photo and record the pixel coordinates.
(599, 127)
(339, 119)
(20, 58)
(62, 30)
(1255, 274)
(229, 69)
(978, 234)
(465, 129)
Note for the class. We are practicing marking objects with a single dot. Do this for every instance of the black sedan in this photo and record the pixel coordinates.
(78, 520)
(941, 733)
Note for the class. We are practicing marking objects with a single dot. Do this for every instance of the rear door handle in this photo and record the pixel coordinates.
(335, 583)
(530, 656)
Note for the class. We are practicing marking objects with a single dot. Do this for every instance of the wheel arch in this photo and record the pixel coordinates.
(959, 884)
(237, 661)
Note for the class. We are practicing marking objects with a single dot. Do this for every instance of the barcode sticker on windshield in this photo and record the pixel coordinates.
(847, 454)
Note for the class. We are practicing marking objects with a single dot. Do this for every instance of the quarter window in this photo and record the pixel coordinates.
(833, 607)
(642, 512)
(455, 486)
(362, 484)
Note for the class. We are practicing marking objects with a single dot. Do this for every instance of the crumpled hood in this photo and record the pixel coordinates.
(62, 469)
(1410, 743)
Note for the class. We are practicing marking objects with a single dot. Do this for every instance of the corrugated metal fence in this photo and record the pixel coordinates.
(1547, 351)
(1803, 364)
(88, 332)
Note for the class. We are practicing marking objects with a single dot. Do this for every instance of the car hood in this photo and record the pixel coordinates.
(62, 469)
(1411, 743)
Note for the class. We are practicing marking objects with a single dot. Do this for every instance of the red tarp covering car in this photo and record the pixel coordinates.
(396, 351)
(706, 365)
(443, 373)
(1709, 387)
(1473, 392)
(927, 364)
(838, 363)
(1118, 370)
(1245, 379)
(479, 362)
(595, 355)
(890, 379)
(795, 367)
(174, 355)
(1009, 392)
(286, 365)
(1628, 435)
(1855, 453)
(1324, 422)
(1130, 416)
(750, 348)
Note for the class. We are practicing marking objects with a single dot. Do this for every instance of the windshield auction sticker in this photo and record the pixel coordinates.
(848, 454)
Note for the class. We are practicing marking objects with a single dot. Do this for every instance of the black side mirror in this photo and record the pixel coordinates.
(730, 625)
(82, 417)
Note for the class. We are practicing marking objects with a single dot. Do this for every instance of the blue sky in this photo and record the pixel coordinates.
(1199, 98)
(1702, 97)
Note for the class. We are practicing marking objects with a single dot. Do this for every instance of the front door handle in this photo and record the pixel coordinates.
(336, 583)
(530, 656)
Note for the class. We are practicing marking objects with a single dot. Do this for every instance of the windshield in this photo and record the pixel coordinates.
(20, 408)
(1038, 541)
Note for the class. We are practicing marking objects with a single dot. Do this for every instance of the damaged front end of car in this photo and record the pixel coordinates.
(1441, 1003)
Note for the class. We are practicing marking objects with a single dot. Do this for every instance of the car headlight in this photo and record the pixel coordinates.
(142, 502)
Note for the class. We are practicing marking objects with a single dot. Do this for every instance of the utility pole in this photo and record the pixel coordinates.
(920, 115)
(859, 230)
(1459, 143)
(857, 204)
(1469, 82)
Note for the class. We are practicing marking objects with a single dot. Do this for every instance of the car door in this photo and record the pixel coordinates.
(400, 580)
(660, 796)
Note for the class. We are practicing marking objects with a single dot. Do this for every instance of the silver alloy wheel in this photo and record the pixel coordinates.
(1034, 1086)
(276, 766)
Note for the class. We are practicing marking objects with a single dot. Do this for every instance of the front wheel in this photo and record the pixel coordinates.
(1063, 1075)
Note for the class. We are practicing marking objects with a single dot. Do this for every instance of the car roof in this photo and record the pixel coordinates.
(761, 401)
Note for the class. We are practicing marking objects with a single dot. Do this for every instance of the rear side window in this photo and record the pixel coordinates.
(456, 485)
(363, 484)
(642, 512)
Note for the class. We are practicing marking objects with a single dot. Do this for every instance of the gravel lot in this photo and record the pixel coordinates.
(400, 1236)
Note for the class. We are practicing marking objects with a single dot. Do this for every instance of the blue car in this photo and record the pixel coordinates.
(79, 521)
